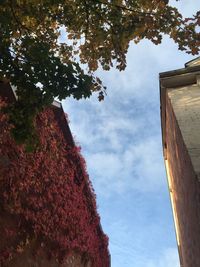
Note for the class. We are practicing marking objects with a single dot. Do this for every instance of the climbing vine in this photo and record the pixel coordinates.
(50, 190)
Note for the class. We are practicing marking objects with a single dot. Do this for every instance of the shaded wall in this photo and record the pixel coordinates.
(185, 192)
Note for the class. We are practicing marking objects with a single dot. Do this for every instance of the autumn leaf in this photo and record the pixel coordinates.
(96, 33)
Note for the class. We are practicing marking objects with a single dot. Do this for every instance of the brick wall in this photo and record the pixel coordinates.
(185, 189)
(186, 105)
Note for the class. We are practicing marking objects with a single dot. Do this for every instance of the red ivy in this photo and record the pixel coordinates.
(51, 191)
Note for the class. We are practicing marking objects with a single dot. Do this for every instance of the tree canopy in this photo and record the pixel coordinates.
(44, 44)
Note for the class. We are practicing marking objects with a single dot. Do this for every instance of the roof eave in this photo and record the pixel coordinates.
(174, 79)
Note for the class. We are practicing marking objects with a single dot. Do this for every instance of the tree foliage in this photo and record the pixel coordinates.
(44, 43)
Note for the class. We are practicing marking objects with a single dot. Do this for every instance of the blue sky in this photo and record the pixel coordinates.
(121, 142)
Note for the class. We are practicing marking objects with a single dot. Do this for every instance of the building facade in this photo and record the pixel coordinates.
(180, 119)
(48, 213)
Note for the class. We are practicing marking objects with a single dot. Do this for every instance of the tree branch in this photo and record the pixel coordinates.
(87, 18)
(16, 18)
(124, 7)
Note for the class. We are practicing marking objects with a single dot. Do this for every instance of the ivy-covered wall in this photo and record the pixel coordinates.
(49, 196)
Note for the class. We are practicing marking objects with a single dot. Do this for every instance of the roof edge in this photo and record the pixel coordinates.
(179, 71)
(173, 79)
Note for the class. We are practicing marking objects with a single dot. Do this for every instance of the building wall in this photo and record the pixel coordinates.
(48, 209)
(29, 254)
(186, 105)
(184, 190)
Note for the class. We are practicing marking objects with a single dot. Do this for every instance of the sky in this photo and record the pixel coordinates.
(121, 142)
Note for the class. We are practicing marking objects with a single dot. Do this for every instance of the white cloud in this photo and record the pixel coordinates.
(138, 167)
(169, 258)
